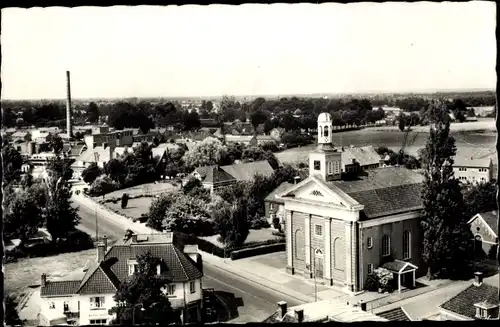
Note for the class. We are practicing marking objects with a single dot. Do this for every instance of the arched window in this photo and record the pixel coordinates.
(325, 131)
(386, 245)
(406, 244)
(338, 248)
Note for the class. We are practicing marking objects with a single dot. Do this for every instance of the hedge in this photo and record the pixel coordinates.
(263, 249)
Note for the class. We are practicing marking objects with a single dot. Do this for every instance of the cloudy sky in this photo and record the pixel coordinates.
(248, 49)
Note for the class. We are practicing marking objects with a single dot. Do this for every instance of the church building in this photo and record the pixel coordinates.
(340, 227)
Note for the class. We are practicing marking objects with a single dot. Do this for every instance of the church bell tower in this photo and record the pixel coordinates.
(325, 161)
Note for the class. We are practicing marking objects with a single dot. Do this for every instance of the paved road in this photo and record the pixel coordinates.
(258, 302)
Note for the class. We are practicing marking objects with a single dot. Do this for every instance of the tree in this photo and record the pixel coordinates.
(268, 126)
(210, 151)
(191, 121)
(256, 118)
(189, 215)
(231, 222)
(256, 153)
(480, 198)
(191, 184)
(116, 170)
(92, 112)
(171, 170)
(158, 210)
(446, 242)
(60, 217)
(55, 143)
(11, 162)
(11, 315)
(23, 216)
(90, 173)
(401, 122)
(102, 185)
(8, 117)
(145, 290)
(58, 167)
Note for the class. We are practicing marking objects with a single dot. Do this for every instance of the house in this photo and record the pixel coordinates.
(339, 230)
(478, 301)
(86, 299)
(483, 226)
(20, 136)
(274, 206)
(473, 170)
(243, 139)
(99, 155)
(364, 158)
(326, 311)
(213, 177)
(76, 150)
(276, 133)
(102, 134)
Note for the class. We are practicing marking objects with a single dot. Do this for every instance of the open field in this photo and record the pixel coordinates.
(135, 207)
(256, 235)
(26, 272)
(144, 189)
(486, 124)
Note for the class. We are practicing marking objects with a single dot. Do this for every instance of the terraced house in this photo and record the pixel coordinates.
(87, 300)
(339, 230)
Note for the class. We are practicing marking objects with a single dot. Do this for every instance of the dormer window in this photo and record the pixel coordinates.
(132, 267)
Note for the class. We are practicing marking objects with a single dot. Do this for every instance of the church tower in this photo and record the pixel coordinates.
(325, 160)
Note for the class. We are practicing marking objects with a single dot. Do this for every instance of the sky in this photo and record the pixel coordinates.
(252, 49)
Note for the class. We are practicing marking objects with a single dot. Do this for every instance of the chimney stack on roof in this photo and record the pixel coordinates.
(362, 305)
(101, 251)
(134, 238)
(105, 242)
(299, 314)
(282, 309)
(478, 278)
(43, 280)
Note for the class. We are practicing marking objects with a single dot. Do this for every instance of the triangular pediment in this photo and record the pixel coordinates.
(315, 190)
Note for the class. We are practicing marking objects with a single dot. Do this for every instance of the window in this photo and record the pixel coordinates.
(369, 242)
(66, 306)
(483, 179)
(370, 268)
(483, 170)
(158, 270)
(97, 302)
(271, 206)
(386, 245)
(336, 167)
(192, 287)
(97, 321)
(330, 168)
(317, 165)
(325, 131)
(52, 305)
(462, 169)
(318, 230)
(171, 289)
(406, 244)
(132, 268)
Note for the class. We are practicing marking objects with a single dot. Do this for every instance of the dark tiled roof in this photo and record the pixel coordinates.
(100, 280)
(60, 288)
(396, 314)
(274, 319)
(385, 191)
(203, 171)
(217, 175)
(490, 218)
(463, 303)
(273, 195)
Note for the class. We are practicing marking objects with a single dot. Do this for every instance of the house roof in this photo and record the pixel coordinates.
(60, 288)
(467, 161)
(327, 310)
(20, 134)
(89, 155)
(463, 302)
(385, 191)
(76, 149)
(273, 196)
(238, 138)
(396, 314)
(247, 171)
(490, 218)
(365, 155)
(217, 175)
(399, 266)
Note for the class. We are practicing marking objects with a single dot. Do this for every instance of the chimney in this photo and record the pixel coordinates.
(69, 127)
(362, 305)
(101, 251)
(299, 314)
(478, 278)
(105, 242)
(296, 179)
(134, 238)
(43, 280)
(282, 309)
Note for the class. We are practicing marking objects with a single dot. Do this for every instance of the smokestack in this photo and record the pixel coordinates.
(43, 280)
(282, 307)
(299, 313)
(69, 127)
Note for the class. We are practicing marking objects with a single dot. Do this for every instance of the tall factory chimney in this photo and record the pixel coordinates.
(69, 127)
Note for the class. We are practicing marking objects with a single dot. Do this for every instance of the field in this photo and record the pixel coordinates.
(475, 139)
(26, 272)
(135, 207)
(256, 235)
(144, 189)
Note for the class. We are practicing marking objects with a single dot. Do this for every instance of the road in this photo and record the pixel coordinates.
(258, 302)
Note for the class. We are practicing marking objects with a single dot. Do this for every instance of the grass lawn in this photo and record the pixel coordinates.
(135, 207)
(144, 189)
(256, 235)
(26, 272)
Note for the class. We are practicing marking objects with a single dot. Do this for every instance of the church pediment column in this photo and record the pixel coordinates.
(328, 248)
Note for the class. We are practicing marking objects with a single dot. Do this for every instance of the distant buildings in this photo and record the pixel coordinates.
(484, 228)
(473, 170)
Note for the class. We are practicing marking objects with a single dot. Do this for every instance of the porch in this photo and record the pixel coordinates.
(405, 272)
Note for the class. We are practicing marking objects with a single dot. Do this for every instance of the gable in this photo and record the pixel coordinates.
(98, 283)
(485, 229)
(312, 189)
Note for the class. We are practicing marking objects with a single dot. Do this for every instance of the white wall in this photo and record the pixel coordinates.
(473, 175)
(59, 304)
(196, 295)
(182, 292)
(86, 313)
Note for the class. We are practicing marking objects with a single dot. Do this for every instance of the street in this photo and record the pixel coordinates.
(257, 302)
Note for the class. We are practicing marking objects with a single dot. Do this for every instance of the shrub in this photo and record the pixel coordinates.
(125, 198)
(371, 283)
(263, 249)
(384, 278)
(259, 223)
(102, 185)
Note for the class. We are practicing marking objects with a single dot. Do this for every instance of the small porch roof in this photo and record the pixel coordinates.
(399, 267)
